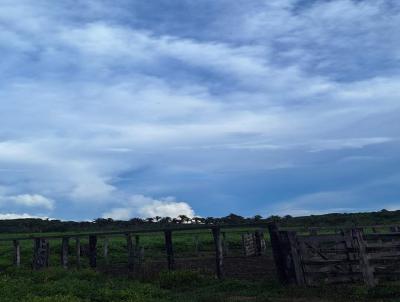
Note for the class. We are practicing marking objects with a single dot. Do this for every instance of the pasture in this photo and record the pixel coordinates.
(250, 278)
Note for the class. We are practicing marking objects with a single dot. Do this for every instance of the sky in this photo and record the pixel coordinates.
(158, 108)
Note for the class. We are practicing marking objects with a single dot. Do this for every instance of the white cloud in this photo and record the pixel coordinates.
(5, 216)
(142, 206)
(32, 200)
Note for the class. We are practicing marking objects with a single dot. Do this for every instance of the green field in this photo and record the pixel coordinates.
(58, 284)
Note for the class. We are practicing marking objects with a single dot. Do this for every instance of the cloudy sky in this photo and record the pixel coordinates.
(141, 108)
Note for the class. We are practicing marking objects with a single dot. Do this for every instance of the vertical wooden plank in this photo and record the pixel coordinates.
(219, 253)
(93, 251)
(196, 244)
(17, 253)
(105, 249)
(278, 253)
(169, 249)
(258, 243)
(78, 251)
(41, 253)
(366, 269)
(131, 252)
(64, 252)
(348, 241)
(224, 244)
(296, 257)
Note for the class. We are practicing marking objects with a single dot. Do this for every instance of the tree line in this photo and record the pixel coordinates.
(31, 225)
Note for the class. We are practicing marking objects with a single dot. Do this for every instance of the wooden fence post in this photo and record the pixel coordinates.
(131, 252)
(105, 249)
(225, 246)
(258, 238)
(64, 252)
(219, 253)
(279, 256)
(17, 253)
(93, 251)
(296, 258)
(169, 249)
(41, 253)
(366, 269)
(196, 244)
(78, 251)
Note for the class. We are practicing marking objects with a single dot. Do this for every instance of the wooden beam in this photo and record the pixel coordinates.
(64, 252)
(258, 237)
(78, 251)
(17, 253)
(41, 251)
(219, 253)
(131, 252)
(296, 258)
(93, 251)
(169, 249)
(278, 253)
(105, 249)
(366, 269)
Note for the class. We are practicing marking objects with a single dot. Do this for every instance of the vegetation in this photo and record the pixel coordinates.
(383, 217)
(84, 285)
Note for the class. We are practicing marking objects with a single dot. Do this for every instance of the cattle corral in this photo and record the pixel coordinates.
(317, 256)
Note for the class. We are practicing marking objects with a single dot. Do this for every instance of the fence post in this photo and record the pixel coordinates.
(196, 244)
(169, 249)
(219, 253)
(40, 253)
(225, 247)
(64, 252)
(17, 253)
(258, 239)
(78, 251)
(366, 269)
(296, 257)
(105, 249)
(131, 252)
(93, 251)
(279, 256)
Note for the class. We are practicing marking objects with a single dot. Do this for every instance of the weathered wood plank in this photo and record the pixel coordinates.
(93, 251)
(296, 258)
(131, 252)
(366, 269)
(219, 253)
(278, 253)
(78, 251)
(41, 253)
(169, 249)
(105, 249)
(17, 253)
(64, 252)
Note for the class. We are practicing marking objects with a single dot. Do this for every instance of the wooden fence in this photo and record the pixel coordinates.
(350, 256)
(41, 246)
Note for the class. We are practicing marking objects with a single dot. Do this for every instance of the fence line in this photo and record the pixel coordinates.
(41, 249)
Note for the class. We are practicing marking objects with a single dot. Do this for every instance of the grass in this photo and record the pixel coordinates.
(84, 285)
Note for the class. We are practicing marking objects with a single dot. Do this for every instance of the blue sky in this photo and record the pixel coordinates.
(141, 108)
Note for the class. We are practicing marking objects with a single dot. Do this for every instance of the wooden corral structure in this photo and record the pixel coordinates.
(348, 255)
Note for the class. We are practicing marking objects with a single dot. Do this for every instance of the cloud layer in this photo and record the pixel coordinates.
(232, 107)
